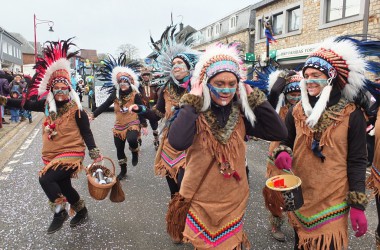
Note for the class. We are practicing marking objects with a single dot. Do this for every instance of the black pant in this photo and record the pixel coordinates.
(378, 213)
(175, 186)
(132, 136)
(58, 182)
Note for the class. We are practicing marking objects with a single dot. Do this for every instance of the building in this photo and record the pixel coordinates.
(10, 51)
(299, 25)
(28, 56)
(235, 27)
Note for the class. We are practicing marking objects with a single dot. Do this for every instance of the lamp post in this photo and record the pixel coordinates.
(36, 22)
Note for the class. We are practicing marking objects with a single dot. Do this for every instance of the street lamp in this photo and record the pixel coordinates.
(49, 22)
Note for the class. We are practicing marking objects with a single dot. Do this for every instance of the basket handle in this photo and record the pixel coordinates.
(104, 157)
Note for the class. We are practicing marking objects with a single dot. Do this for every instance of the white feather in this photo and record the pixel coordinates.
(57, 65)
(305, 99)
(280, 102)
(245, 105)
(127, 70)
(74, 96)
(273, 78)
(319, 107)
(51, 102)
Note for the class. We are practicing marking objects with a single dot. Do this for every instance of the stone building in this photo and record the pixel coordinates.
(299, 25)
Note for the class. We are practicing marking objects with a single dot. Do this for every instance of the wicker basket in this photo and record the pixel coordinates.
(100, 191)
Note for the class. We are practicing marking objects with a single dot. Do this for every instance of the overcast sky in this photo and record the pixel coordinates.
(105, 24)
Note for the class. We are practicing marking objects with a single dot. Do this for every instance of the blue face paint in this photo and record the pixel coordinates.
(293, 98)
(322, 82)
(61, 91)
(216, 90)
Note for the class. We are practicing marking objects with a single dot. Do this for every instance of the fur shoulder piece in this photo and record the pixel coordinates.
(193, 100)
(256, 98)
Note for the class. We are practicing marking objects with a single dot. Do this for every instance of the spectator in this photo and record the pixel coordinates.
(5, 73)
(4, 90)
(15, 112)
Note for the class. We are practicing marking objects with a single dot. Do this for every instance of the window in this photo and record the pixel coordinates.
(209, 32)
(262, 29)
(218, 28)
(278, 23)
(233, 22)
(5, 47)
(294, 19)
(340, 9)
(10, 49)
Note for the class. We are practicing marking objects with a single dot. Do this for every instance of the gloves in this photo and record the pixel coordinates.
(358, 221)
(283, 161)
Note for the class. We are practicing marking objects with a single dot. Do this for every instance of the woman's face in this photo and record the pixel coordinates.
(179, 69)
(61, 91)
(293, 97)
(125, 82)
(314, 89)
(225, 84)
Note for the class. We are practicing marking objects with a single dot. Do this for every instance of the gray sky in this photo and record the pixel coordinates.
(105, 24)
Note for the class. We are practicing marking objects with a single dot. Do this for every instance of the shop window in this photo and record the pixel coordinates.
(294, 17)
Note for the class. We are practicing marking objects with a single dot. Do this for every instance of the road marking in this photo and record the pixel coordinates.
(7, 169)
(3, 177)
(13, 162)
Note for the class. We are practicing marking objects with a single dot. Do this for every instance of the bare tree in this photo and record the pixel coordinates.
(102, 56)
(130, 51)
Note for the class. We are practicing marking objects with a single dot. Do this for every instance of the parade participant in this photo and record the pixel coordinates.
(176, 61)
(326, 145)
(148, 92)
(120, 79)
(374, 180)
(284, 92)
(213, 120)
(65, 131)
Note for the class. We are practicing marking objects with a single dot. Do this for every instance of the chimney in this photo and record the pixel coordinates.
(180, 26)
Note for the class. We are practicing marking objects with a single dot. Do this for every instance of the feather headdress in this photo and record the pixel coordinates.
(53, 67)
(167, 48)
(216, 59)
(343, 60)
(113, 69)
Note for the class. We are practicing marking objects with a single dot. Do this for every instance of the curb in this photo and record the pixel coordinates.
(9, 143)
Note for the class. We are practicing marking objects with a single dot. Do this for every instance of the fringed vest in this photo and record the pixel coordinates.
(125, 121)
(323, 217)
(168, 160)
(215, 217)
(66, 148)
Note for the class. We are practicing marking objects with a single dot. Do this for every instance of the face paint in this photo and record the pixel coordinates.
(181, 66)
(125, 79)
(124, 84)
(293, 98)
(63, 91)
(322, 82)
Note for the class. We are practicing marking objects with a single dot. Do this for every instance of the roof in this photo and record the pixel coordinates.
(262, 4)
(89, 54)
(26, 46)
(10, 35)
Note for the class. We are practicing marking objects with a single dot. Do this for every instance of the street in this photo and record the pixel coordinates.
(136, 223)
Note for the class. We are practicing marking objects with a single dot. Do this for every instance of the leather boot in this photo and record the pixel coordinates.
(60, 216)
(81, 213)
(135, 155)
(156, 141)
(123, 169)
(276, 232)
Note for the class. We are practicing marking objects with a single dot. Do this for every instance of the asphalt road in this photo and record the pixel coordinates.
(138, 222)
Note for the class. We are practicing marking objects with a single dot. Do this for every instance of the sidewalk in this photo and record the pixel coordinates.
(13, 135)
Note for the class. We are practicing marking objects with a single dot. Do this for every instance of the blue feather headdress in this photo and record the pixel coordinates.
(167, 48)
(113, 70)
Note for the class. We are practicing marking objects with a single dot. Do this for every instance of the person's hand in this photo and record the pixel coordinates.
(144, 131)
(283, 161)
(3, 100)
(358, 221)
(100, 158)
(91, 117)
(133, 108)
(197, 89)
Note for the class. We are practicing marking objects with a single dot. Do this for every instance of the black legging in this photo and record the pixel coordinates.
(175, 186)
(378, 213)
(58, 182)
(132, 136)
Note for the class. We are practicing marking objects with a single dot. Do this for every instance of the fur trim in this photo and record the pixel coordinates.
(94, 153)
(74, 96)
(79, 205)
(357, 198)
(123, 161)
(273, 77)
(280, 149)
(192, 100)
(60, 64)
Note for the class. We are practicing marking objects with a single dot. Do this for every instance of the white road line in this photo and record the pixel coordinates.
(3, 177)
(13, 162)
(7, 169)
